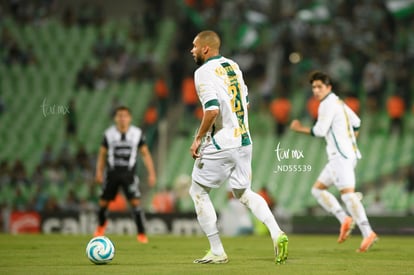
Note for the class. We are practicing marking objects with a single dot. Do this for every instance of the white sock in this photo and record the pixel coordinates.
(329, 203)
(261, 210)
(206, 216)
(355, 207)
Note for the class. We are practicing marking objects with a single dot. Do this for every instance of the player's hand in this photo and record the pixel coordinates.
(295, 125)
(99, 178)
(152, 179)
(194, 148)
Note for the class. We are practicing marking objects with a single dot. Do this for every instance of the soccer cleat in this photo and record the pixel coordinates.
(210, 258)
(142, 238)
(281, 249)
(346, 229)
(368, 242)
(100, 230)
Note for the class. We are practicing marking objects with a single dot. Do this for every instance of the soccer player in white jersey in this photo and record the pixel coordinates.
(339, 125)
(222, 147)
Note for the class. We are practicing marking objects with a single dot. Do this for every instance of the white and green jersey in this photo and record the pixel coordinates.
(220, 85)
(337, 123)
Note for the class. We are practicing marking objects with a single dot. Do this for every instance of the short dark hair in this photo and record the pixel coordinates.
(122, 108)
(323, 77)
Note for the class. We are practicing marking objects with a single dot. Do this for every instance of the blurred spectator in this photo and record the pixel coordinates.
(312, 107)
(47, 156)
(82, 158)
(71, 202)
(99, 48)
(100, 77)
(51, 205)
(176, 72)
(341, 68)
(18, 173)
(377, 207)
(70, 118)
(19, 200)
(2, 106)
(68, 17)
(164, 201)
(374, 83)
(161, 90)
(38, 178)
(410, 179)
(4, 172)
(396, 110)
(266, 196)
(199, 113)
(189, 94)
(136, 27)
(150, 124)
(150, 116)
(55, 174)
(85, 77)
(353, 103)
(90, 14)
(13, 53)
(280, 109)
(151, 17)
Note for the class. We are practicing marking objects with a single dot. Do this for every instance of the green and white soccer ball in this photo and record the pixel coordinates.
(100, 250)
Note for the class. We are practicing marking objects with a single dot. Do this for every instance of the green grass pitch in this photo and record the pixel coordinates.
(310, 254)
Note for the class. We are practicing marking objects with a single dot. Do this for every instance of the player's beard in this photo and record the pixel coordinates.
(199, 59)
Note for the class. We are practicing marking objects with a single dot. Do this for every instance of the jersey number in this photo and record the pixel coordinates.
(236, 104)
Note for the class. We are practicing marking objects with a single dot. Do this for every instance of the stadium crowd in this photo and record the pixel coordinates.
(368, 50)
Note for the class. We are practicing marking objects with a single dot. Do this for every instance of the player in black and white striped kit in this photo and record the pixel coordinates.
(118, 154)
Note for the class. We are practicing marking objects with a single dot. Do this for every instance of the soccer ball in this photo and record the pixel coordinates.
(100, 250)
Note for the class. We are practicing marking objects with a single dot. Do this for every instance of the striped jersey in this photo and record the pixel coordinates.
(122, 147)
(220, 85)
(337, 123)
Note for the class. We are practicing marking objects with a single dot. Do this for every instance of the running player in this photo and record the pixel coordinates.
(118, 153)
(222, 146)
(339, 125)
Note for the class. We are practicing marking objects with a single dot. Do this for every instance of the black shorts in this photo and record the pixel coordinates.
(114, 179)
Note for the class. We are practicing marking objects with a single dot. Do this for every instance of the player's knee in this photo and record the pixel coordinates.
(316, 192)
(350, 196)
(195, 190)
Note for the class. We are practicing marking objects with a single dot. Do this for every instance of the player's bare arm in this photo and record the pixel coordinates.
(100, 164)
(297, 126)
(208, 120)
(149, 164)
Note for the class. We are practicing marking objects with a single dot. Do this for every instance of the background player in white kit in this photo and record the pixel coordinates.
(339, 125)
(226, 150)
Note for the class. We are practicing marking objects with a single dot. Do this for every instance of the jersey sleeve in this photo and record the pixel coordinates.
(325, 116)
(142, 141)
(105, 142)
(205, 90)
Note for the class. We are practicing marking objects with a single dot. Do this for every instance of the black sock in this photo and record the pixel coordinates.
(138, 215)
(102, 215)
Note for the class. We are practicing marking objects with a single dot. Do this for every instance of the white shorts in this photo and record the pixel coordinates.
(339, 172)
(215, 167)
